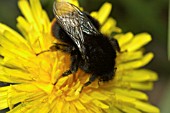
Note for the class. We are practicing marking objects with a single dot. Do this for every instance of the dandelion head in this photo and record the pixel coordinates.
(36, 81)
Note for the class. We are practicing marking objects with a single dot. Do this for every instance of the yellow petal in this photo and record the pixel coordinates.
(103, 13)
(146, 107)
(47, 87)
(134, 85)
(73, 109)
(129, 56)
(23, 26)
(127, 109)
(94, 14)
(21, 92)
(98, 95)
(79, 105)
(71, 97)
(84, 98)
(141, 75)
(137, 42)
(109, 27)
(123, 39)
(26, 11)
(93, 109)
(120, 100)
(3, 97)
(35, 106)
(131, 93)
(27, 29)
(34, 15)
(37, 13)
(10, 46)
(59, 105)
(129, 104)
(135, 64)
(100, 104)
(23, 107)
(113, 109)
(40, 16)
(17, 38)
(46, 22)
(141, 86)
(13, 75)
(61, 81)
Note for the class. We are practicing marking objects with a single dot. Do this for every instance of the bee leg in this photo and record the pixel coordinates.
(74, 56)
(91, 79)
(62, 47)
(73, 66)
(115, 44)
(56, 47)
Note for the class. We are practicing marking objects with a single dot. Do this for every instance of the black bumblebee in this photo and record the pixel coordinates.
(90, 50)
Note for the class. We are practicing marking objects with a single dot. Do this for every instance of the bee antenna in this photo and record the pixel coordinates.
(42, 52)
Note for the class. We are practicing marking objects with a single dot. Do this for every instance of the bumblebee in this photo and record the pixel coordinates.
(89, 49)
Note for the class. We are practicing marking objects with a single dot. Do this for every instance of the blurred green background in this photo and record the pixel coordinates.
(132, 15)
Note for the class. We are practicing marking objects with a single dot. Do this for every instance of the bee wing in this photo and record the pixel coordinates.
(74, 22)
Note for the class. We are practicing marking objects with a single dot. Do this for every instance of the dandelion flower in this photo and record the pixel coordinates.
(32, 78)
